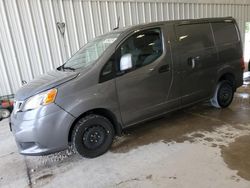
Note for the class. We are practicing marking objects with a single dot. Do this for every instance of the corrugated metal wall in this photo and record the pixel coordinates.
(31, 44)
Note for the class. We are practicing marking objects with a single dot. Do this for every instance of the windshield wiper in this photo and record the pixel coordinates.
(66, 68)
(69, 68)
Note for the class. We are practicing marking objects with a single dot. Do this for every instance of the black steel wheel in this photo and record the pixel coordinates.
(92, 136)
(223, 95)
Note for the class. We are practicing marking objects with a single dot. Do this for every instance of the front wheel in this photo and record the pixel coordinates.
(92, 136)
(223, 95)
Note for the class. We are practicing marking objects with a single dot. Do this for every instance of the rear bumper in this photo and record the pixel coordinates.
(42, 131)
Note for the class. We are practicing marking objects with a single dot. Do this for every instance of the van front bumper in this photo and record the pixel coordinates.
(42, 131)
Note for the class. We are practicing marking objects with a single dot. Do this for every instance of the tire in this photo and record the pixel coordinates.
(92, 136)
(5, 113)
(223, 95)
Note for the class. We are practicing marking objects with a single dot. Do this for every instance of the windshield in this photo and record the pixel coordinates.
(89, 53)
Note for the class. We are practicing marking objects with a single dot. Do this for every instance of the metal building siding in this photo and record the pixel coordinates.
(31, 44)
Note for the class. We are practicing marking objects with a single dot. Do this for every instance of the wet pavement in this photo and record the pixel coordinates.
(195, 147)
(237, 156)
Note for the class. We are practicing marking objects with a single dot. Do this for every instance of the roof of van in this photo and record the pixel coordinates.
(185, 21)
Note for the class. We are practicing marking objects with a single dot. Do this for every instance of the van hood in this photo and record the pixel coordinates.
(43, 83)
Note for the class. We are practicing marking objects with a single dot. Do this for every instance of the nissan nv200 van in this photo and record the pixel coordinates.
(126, 77)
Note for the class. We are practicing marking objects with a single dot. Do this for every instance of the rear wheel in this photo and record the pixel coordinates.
(92, 136)
(223, 95)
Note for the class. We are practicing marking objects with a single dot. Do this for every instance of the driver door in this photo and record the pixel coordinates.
(143, 88)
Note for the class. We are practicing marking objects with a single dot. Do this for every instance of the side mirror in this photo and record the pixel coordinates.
(126, 62)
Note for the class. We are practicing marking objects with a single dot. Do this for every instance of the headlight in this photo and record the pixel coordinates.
(41, 99)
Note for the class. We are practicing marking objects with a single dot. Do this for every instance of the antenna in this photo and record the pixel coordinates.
(118, 23)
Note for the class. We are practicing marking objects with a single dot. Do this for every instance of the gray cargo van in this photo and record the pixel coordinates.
(126, 77)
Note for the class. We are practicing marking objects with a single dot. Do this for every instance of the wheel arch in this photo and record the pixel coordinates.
(228, 76)
(98, 111)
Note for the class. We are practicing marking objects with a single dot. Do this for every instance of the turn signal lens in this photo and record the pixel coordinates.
(50, 97)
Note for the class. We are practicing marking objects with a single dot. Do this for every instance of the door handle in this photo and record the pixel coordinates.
(193, 60)
(164, 68)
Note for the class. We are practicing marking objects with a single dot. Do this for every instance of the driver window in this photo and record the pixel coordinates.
(145, 47)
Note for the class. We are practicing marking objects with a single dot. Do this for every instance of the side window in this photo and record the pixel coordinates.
(225, 33)
(145, 47)
(194, 36)
(107, 71)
